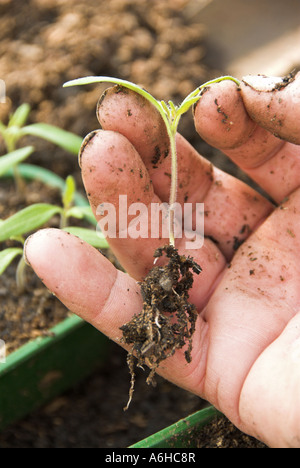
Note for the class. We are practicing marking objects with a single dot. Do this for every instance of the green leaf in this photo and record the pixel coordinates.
(66, 140)
(19, 117)
(17, 238)
(69, 192)
(80, 212)
(126, 84)
(165, 108)
(7, 256)
(31, 172)
(184, 107)
(15, 157)
(27, 220)
(92, 237)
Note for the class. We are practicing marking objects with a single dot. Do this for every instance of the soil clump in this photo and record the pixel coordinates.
(167, 320)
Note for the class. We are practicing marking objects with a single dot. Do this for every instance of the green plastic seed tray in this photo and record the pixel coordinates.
(182, 434)
(43, 368)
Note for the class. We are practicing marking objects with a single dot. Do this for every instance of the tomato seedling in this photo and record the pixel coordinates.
(171, 115)
(167, 320)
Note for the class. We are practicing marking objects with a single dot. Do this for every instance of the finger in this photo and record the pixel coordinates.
(232, 212)
(256, 298)
(131, 115)
(90, 286)
(104, 154)
(84, 280)
(274, 104)
(232, 208)
(115, 179)
(222, 120)
(269, 400)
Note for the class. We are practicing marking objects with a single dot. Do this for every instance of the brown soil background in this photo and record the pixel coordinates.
(44, 43)
(160, 45)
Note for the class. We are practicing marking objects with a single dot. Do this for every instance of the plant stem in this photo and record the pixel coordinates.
(172, 121)
(63, 220)
(19, 183)
(171, 116)
(20, 186)
(173, 188)
(20, 276)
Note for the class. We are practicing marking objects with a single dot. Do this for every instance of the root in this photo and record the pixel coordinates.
(167, 320)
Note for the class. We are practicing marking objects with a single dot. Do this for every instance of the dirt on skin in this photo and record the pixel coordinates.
(43, 43)
(286, 81)
(167, 320)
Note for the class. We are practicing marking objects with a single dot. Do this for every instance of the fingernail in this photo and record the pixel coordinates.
(24, 251)
(84, 144)
(101, 99)
(262, 82)
(116, 89)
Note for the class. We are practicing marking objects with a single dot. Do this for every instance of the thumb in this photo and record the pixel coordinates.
(274, 104)
(269, 401)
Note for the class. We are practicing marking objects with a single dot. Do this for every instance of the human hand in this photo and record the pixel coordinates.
(246, 348)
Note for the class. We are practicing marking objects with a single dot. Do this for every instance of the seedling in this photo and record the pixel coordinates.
(167, 320)
(171, 115)
(33, 217)
(11, 135)
(16, 129)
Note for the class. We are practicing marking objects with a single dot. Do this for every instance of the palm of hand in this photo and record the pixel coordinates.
(244, 348)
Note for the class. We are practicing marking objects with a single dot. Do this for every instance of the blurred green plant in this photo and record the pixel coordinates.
(16, 129)
(23, 223)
